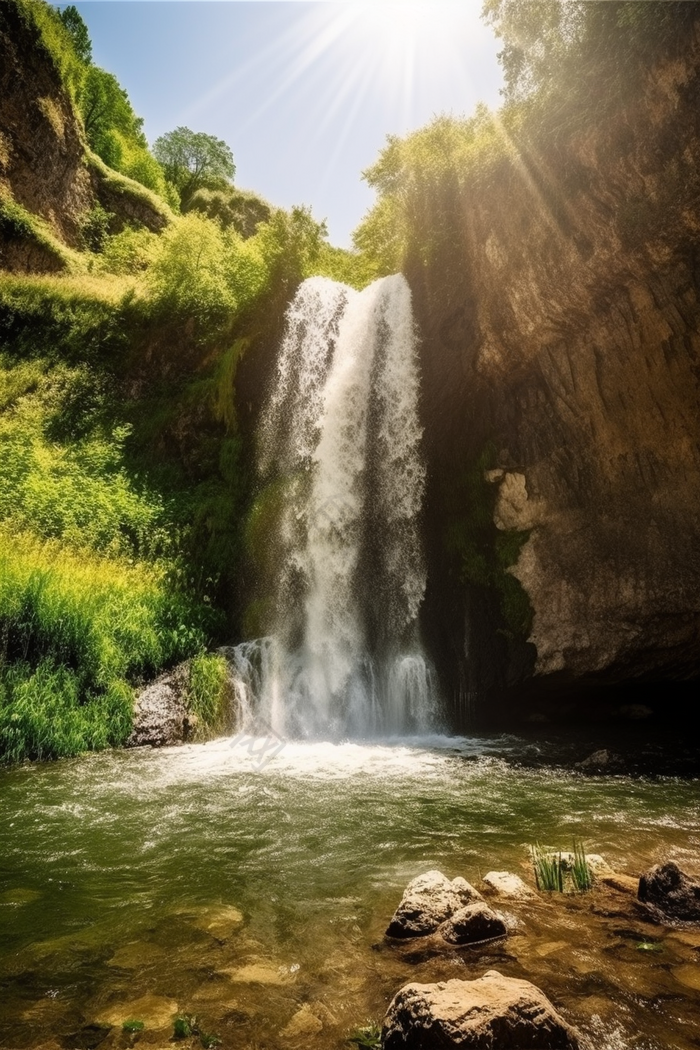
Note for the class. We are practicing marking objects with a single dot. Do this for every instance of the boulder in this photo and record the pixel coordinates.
(670, 891)
(161, 715)
(600, 761)
(428, 901)
(477, 922)
(505, 884)
(493, 1011)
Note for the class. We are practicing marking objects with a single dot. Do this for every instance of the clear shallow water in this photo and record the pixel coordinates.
(204, 879)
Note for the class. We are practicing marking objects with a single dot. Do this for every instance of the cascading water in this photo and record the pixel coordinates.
(341, 489)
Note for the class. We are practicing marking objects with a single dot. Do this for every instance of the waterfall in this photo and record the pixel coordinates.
(342, 482)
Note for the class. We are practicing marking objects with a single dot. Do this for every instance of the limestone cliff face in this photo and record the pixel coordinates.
(561, 326)
(45, 166)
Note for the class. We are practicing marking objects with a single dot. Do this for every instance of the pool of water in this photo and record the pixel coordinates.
(251, 887)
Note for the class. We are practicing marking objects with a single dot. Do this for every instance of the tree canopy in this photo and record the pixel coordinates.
(192, 159)
(73, 22)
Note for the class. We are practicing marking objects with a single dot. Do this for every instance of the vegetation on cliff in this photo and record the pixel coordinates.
(123, 477)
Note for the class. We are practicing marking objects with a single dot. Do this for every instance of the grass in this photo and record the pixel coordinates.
(549, 873)
(581, 874)
(208, 693)
(76, 632)
(18, 224)
(123, 186)
(368, 1037)
(556, 873)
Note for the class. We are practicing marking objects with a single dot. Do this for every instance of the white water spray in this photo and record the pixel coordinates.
(343, 482)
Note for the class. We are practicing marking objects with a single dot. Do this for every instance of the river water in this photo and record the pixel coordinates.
(251, 886)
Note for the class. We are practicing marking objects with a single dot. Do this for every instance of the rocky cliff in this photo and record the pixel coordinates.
(561, 357)
(49, 180)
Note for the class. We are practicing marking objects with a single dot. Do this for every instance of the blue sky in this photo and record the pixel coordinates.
(304, 93)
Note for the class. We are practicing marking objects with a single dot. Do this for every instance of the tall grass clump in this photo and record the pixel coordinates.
(561, 872)
(581, 874)
(209, 690)
(76, 631)
(549, 872)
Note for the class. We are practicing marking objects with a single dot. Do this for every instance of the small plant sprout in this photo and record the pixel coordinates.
(131, 1026)
(368, 1037)
(184, 1026)
(209, 1040)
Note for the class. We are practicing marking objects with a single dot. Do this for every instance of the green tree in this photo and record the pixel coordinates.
(192, 159)
(105, 109)
(232, 208)
(72, 20)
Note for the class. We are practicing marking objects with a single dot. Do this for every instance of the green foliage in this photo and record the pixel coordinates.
(232, 208)
(209, 1040)
(208, 691)
(94, 227)
(185, 1026)
(369, 1037)
(112, 128)
(72, 20)
(57, 40)
(18, 224)
(548, 868)
(581, 874)
(557, 872)
(191, 158)
(189, 270)
(44, 714)
(484, 553)
(348, 267)
(124, 186)
(129, 252)
(133, 1026)
(418, 181)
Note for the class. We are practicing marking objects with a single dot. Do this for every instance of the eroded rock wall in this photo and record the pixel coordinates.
(560, 328)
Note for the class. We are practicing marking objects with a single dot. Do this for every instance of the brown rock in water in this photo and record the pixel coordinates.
(477, 922)
(491, 1012)
(428, 901)
(161, 717)
(670, 891)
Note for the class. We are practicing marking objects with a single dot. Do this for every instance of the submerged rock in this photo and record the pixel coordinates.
(428, 901)
(493, 1011)
(505, 884)
(600, 761)
(477, 922)
(154, 1010)
(670, 891)
(161, 717)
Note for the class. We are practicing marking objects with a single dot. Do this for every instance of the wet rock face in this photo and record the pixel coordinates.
(493, 1011)
(477, 922)
(671, 892)
(561, 330)
(428, 901)
(161, 717)
(506, 884)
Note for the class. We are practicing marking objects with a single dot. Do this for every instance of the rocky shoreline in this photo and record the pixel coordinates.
(495, 1010)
